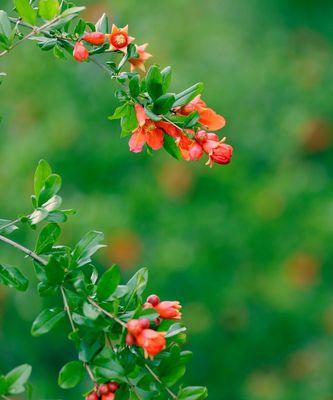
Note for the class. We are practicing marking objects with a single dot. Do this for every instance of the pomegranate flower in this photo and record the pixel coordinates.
(208, 117)
(218, 151)
(119, 38)
(147, 132)
(95, 38)
(152, 342)
(80, 53)
(169, 310)
(139, 334)
(139, 62)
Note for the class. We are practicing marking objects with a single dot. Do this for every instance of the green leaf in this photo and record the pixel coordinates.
(138, 282)
(72, 11)
(107, 365)
(5, 27)
(86, 247)
(43, 171)
(164, 103)
(48, 9)
(188, 95)
(12, 277)
(166, 74)
(38, 215)
(171, 147)
(154, 82)
(129, 121)
(119, 112)
(71, 374)
(51, 187)
(102, 25)
(191, 119)
(54, 271)
(134, 86)
(47, 237)
(108, 283)
(192, 393)
(9, 229)
(25, 10)
(17, 378)
(46, 320)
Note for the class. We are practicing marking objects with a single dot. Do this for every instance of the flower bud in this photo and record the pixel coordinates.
(157, 321)
(113, 386)
(169, 310)
(95, 38)
(109, 396)
(130, 340)
(80, 53)
(144, 323)
(195, 152)
(92, 396)
(222, 154)
(153, 300)
(134, 327)
(104, 389)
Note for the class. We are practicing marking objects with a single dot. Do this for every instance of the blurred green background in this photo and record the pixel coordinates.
(246, 247)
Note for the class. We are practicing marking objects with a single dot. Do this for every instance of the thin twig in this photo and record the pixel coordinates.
(157, 379)
(107, 313)
(25, 250)
(91, 301)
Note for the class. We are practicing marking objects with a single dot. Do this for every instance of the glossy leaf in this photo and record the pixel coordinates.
(26, 11)
(48, 9)
(192, 393)
(17, 378)
(189, 94)
(108, 283)
(12, 277)
(71, 374)
(86, 247)
(46, 321)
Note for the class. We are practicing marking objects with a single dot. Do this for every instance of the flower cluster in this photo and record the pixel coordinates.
(140, 332)
(192, 144)
(105, 391)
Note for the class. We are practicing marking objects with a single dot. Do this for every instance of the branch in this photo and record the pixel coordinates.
(91, 301)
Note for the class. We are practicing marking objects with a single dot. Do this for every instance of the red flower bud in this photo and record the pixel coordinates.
(109, 396)
(153, 300)
(195, 152)
(104, 389)
(147, 305)
(92, 396)
(144, 323)
(130, 340)
(113, 386)
(95, 38)
(80, 53)
(157, 321)
(222, 154)
(134, 327)
(169, 309)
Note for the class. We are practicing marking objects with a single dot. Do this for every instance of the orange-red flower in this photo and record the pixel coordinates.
(80, 53)
(218, 151)
(148, 132)
(152, 342)
(169, 310)
(208, 117)
(95, 38)
(119, 38)
(143, 56)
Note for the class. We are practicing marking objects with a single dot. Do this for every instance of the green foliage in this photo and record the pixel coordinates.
(15, 382)
(98, 309)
